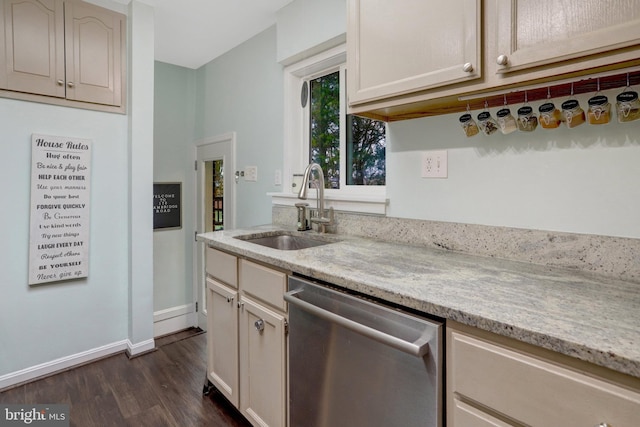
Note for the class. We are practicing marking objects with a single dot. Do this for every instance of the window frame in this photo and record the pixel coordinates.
(354, 198)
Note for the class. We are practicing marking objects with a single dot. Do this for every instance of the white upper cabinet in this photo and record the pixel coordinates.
(535, 33)
(93, 54)
(403, 46)
(34, 43)
(62, 49)
(410, 58)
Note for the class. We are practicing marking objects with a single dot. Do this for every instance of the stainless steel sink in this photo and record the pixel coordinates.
(284, 241)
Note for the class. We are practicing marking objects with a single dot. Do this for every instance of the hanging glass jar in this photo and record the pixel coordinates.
(628, 106)
(469, 126)
(505, 119)
(599, 110)
(486, 123)
(527, 121)
(549, 116)
(572, 113)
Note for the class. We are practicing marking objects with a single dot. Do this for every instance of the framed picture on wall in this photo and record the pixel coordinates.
(167, 205)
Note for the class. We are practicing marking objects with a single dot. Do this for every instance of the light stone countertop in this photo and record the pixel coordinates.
(582, 315)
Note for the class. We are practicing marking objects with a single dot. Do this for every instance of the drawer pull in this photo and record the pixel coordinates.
(259, 324)
(502, 60)
(60, 82)
(604, 425)
(468, 67)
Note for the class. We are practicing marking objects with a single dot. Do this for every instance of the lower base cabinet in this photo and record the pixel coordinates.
(263, 365)
(494, 381)
(246, 337)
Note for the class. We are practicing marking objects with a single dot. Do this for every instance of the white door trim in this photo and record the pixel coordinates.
(221, 147)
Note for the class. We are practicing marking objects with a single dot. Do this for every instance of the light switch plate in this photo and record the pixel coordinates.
(250, 173)
(434, 164)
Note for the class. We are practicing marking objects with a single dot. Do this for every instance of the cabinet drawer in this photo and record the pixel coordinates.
(263, 283)
(222, 266)
(534, 391)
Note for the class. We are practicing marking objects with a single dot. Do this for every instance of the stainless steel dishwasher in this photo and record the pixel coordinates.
(356, 363)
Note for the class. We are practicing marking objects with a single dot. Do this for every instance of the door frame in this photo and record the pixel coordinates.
(212, 148)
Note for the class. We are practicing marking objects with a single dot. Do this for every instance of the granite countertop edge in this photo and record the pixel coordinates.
(585, 316)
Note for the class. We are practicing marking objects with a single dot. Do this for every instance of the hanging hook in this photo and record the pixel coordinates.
(468, 109)
(598, 85)
(505, 99)
(628, 85)
(525, 97)
(486, 105)
(572, 89)
(548, 92)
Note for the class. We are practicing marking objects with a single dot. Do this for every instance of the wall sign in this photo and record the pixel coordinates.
(167, 205)
(60, 211)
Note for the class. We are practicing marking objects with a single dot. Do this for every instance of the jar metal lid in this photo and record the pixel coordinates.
(598, 100)
(571, 104)
(503, 112)
(484, 115)
(628, 96)
(547, 107)
(465, 118)
(525, 111)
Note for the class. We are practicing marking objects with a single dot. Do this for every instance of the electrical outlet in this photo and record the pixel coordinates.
(277, 177)
(250, 173)
(434, 164)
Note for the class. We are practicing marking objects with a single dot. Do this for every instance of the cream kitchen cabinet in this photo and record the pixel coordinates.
(518, 44)
(67, 50)
(399, 47)
(531, 34)
(246, 336)
(496, 381)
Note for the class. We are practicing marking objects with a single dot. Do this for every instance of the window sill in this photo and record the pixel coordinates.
(361, 204)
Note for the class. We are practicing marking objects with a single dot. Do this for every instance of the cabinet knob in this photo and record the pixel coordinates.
(502, 60)
(70, 84)
(259, 324)
(604, 425)
(60, 82)
(468, 67)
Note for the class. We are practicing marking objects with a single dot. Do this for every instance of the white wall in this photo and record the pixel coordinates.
(582, 180)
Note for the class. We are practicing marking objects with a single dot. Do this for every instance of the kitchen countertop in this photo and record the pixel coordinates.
(582, 315)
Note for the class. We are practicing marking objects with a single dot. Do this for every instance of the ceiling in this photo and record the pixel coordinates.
(190, 33)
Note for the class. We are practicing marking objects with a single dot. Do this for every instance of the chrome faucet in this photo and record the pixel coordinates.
(321, 220)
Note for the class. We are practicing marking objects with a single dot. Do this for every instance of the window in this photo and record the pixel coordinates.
(364, 149)
(351, 150)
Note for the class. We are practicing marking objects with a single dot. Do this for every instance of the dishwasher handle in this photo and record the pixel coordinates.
(418, 348)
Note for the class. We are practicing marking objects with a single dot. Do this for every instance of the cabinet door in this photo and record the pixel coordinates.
(398, 47)
(94, 54)
(262, 365)
(222, 339)
(545, 394)
(534, 33)
(34, 43)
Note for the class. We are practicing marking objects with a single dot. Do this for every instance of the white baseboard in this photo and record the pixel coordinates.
(62, 363)
(174, 319)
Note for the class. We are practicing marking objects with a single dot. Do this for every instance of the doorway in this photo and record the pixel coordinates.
(215, 203)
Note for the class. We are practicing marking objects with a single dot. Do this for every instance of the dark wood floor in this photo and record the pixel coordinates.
(161, 388)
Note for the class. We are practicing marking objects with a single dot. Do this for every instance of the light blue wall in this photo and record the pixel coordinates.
(47, 325)
(306, 27)
(174, 115)
(242, 92)
(581, 180)
(46, 322)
